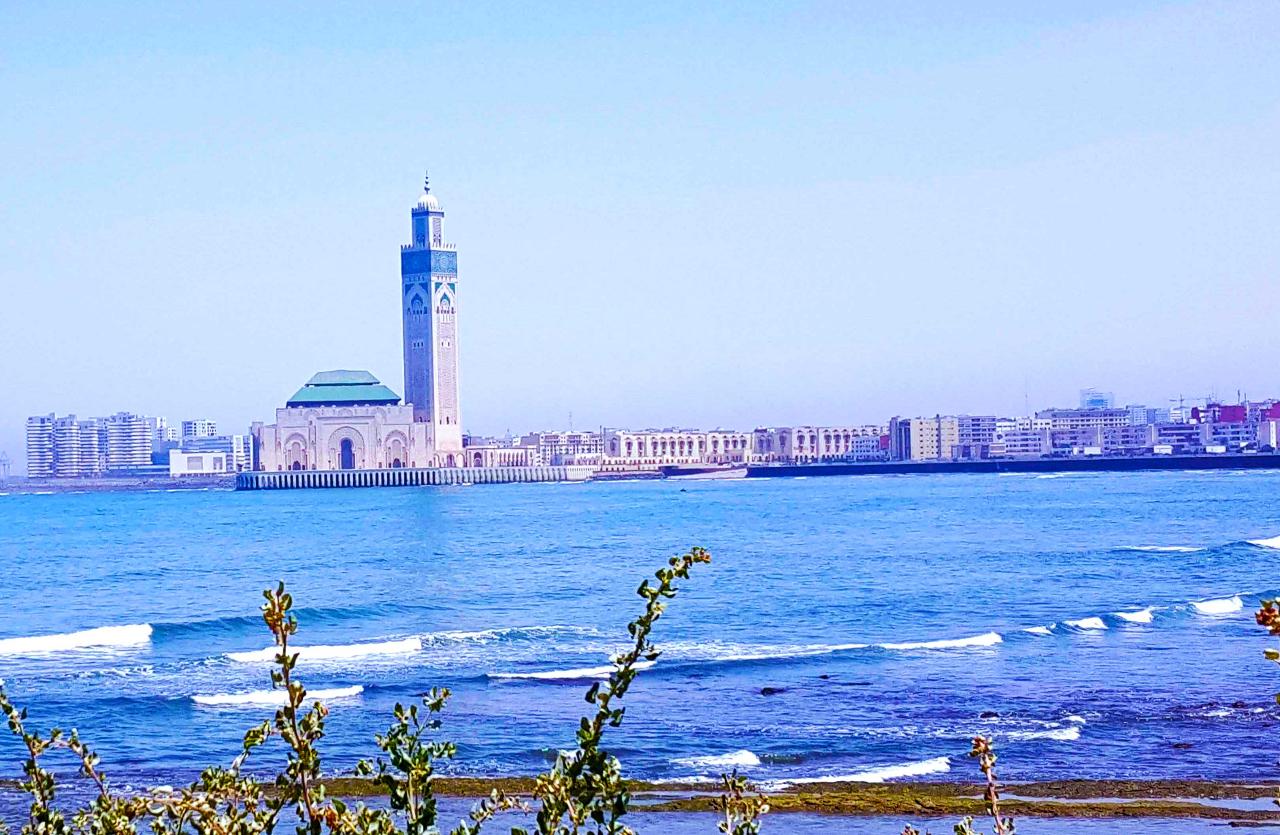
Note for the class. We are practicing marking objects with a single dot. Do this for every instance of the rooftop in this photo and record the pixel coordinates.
(344, 388)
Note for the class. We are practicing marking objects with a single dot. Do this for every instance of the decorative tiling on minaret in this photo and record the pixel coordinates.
(429, 286)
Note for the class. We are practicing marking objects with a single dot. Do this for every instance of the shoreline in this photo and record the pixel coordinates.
(1098, 799)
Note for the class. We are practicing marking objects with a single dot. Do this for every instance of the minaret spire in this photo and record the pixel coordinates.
(426, 182)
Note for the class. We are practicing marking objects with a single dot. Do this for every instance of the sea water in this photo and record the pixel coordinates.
(1094, 625)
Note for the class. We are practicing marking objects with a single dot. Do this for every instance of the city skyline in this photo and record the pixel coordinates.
(1006, 262)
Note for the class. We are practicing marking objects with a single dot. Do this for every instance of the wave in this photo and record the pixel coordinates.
(1222, 606)
(1163, 549)
(1068, 734)
(937, 765)
(1041, 630)
(986, 639)
(1142, 616)
(1273, 542)
(102, 636)
(737, 759)
(274, 698)
(1087, 623)
(502, 633)
(578, 674)
(405, 646)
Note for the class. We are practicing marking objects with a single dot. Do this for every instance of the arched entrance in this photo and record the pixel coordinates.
(347, 455)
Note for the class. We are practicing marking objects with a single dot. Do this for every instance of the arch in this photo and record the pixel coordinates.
(295, 452)
(396, 446)
(346, 454)
(449, 460)
(346, 446)
(478, 458)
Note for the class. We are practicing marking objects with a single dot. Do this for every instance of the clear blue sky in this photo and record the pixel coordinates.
(666, 213)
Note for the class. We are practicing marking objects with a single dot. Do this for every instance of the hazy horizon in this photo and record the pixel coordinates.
(729, 215)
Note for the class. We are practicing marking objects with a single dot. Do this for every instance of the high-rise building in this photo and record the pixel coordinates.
(91, 446)
(66, 447)
(429, 303)
(199, 428)
(40, 446)
(128, 442)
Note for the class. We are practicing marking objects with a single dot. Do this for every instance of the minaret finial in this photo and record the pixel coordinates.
(426, 182)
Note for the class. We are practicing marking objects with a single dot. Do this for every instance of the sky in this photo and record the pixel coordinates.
(733, 214)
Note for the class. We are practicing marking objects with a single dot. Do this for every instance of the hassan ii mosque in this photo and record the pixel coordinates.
(349, 421)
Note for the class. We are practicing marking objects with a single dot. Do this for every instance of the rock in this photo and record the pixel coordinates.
(988, 714)
(824, 676)
(772, 691)
(1182, 746)
(1239, 705)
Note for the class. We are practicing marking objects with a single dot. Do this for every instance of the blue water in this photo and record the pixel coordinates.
(495, 581)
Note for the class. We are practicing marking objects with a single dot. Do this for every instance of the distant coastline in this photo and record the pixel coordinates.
(1254, 461)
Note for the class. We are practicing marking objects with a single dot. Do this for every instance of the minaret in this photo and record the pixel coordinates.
(429, 299)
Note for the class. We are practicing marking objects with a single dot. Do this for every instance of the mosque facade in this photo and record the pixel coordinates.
(349, 420)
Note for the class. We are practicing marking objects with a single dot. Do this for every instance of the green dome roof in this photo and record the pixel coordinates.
(344, 388)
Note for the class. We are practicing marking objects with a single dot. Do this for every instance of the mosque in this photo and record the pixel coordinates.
(342, 424)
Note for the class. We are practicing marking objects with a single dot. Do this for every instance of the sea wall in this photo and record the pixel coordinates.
(1259, 461)
(406, 477)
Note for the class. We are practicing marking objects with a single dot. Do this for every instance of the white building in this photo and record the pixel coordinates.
(40, 446)
(809, 444)
(346, 420)
(651, 449)
(128, 442)
(196, 463)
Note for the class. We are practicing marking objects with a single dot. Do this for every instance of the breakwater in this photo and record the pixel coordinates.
(1260, 461)
(406, 477)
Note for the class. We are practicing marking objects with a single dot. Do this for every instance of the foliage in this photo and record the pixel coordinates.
(1000, 824)
(741, 806)
(582, 793)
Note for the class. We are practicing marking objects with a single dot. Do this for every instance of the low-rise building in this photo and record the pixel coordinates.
(1129, 440)
(1229, 434)
(1060, 419)
(237, 449)
(1180, 438)
(1021, 442)
(811, 444)
(199, 428)
(197, 463)
(650, 449)
(563, 448)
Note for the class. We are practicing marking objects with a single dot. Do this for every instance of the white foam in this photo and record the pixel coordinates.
(102, 636)
(1222, 606)
(1079, 720)
(1041, 630)
(600, 672)
(1143, 616)
(714, 651)
(339, 651)
(986, 639)
(1087, 623)
(937, 765)
(1070, 734)
(1163, 549)
(736, 759)
(1273, 542)
(274, 698)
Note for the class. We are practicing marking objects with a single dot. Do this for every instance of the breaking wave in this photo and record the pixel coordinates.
(1142, 616)
(274, 698)
(986, 639)
(578, 674)
(736, 759)
(102, 636)
(937, 765)
(1223, 606)
(1273, 542)
(1162, 549)
(1087, 623)
(339, 651)
(1068, 734)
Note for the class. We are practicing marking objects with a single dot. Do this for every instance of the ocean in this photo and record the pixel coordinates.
(1095, 625)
